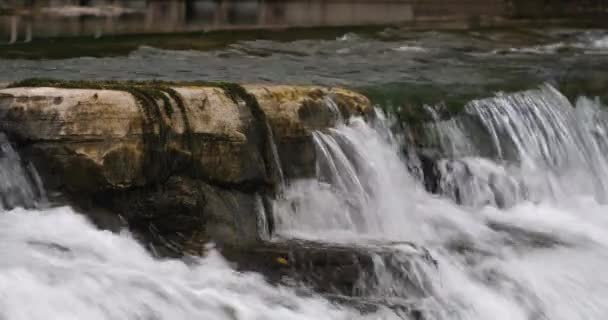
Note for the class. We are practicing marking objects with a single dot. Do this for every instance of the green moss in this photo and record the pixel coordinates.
(407, 101)
(150, 93)
(412, 103)
(591, 87)
(146, 92)
(237, 93)
(156, 100)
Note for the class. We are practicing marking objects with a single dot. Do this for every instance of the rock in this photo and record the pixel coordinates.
(183, 214)
(186, 163)
(221, 138)
(87, 139)
(294, 112)
(432, 175)
(342, 270)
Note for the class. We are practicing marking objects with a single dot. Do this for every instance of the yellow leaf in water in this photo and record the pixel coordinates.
(282, 261)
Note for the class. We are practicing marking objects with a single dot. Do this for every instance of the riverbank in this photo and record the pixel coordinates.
(43, 19)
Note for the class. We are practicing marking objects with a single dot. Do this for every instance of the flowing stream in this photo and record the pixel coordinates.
(517, 228)
(57, 265)
(519, 225)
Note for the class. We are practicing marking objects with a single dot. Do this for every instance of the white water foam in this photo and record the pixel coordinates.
(559, 150)
(542, 257)
(592, 43)
(56, 265)
(600, 43)
(20, 185)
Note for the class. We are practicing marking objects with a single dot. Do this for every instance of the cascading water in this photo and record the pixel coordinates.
(526, 237)
(560, 150)
(541, 147)
(57, 265)
(62, 267)
(19, 182)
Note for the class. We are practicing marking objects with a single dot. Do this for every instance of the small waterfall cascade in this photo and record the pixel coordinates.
(57, 265)
(536, 146)
(20, 185)
(63, 267)
(351, 193)
(545, 134)
(518, 229)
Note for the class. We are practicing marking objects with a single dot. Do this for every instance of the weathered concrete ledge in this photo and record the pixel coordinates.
(186, 164)
(182, 163)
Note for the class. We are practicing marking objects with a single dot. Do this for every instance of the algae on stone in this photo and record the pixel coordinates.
(196, 159)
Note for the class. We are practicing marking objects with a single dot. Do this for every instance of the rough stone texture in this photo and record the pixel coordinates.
(196, 168)
(183, 214)
(295, 112)
(222, 136)
(89, 138)
(345, 271)
(193, 167)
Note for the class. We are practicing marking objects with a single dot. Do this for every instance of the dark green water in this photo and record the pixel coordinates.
(390, 65)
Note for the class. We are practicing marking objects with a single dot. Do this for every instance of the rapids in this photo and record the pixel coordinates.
(528, 238)
(56, 265)
(518, 228)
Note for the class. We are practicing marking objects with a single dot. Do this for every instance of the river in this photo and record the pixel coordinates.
(516, 225)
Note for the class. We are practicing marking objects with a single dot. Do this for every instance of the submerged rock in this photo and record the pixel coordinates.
(185, 163)
(341, 270)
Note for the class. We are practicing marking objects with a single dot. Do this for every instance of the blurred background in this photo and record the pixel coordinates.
(25, 20)
(422, 51)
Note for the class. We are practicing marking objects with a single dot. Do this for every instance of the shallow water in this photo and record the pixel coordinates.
(475, 62)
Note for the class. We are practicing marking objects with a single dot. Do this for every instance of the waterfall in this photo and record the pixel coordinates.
(57, 265)
(357, 185)
(555, 144)
(518, 229)
(543, 149)
(20, 184)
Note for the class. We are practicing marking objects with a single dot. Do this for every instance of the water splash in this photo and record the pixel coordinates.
(536, 201)
(530, 241)
(20, 184)
(559, 150)
(532, 145)
(351, 192)
(67, 269)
